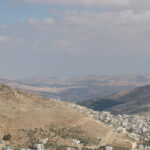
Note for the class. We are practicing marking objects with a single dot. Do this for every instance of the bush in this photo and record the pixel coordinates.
(7, 137)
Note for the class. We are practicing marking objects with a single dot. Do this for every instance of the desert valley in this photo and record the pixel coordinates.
(29, 121)
(74, 75)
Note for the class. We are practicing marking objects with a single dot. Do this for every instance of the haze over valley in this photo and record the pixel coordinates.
(74, 75)
(80, 88)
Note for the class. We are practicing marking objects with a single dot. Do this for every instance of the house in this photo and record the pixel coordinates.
(109, 148)
(2, 144)
(39, 146)
(76, 141)
(134, 136)
(121, 130)
(7, 148)
(70, 148)
(44, 141)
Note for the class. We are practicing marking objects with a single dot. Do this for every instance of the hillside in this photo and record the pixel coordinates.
(131, 101)
(30, 119)
(81, 88)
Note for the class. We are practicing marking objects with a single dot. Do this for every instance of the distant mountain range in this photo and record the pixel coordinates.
(132, 101)
(79, 89)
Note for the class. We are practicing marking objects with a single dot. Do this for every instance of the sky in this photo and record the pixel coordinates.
(68, 38)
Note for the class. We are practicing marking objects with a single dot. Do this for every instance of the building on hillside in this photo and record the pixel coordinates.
(109, 148)
(7, 148)
(39, 146)
(134, 136)
(75, 141)
(121, 130)
(44, 141)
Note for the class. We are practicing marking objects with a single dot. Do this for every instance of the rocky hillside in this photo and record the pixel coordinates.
(131, 101)
(27, 119)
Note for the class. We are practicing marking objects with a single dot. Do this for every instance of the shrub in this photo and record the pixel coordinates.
(7, 137)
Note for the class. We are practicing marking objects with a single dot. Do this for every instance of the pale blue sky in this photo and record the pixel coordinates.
(73, 38)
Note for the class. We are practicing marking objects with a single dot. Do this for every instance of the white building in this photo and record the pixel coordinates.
(134, 136)
(109, 148)
(39, 147)
(76, 141)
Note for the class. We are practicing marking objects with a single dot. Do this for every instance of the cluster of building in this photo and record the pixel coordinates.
(4, 146)
(135, 126)
(138, 124)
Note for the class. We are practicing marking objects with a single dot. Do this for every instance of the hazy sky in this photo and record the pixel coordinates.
(74, 37)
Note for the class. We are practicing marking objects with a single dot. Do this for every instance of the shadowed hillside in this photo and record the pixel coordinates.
(131, 101)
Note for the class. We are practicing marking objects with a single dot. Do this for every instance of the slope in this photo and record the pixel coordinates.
(132, 101)
(30, 118)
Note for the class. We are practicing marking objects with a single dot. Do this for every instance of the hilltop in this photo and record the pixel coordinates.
(132, 101)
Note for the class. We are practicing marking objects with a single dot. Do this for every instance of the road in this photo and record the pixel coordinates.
(104, 141)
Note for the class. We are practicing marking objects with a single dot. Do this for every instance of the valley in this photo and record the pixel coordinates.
(134, 101)
(79, 88)
(31, 121)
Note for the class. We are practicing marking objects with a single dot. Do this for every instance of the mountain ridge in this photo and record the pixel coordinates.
(81, 88)
(136, 100)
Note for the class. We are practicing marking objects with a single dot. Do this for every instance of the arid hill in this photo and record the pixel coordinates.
(30, 118)
(131, 101)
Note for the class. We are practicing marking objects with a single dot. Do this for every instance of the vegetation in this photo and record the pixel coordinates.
(101, 104)
(75, 133)
(146, 143)
(54, 135)
(6, 137)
